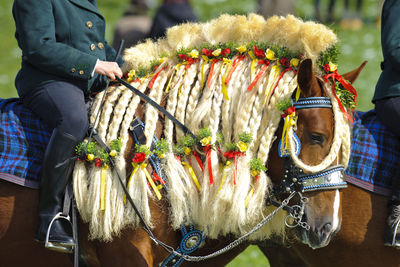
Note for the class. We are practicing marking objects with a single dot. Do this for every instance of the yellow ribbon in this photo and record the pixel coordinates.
(150, 180)
(275, 71)
(103, 188)
(176, 68)
(298, 91)
(191, 172)
(290, 120)
(226, 170)
(136, 167)
(246, 201)
(206, 60)
(253, 65)
(228, 63)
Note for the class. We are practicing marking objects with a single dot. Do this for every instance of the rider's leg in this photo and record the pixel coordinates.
(388, 111)
(62, 106)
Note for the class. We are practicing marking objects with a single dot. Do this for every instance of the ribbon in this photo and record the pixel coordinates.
(194, 177)
(103, 188)
(260, 73)
(150, 180)
(226, 169)
(197, 157)
(211, 72)
(233, 155)
(232, 69)
(246, 201)
(228, 63)
(336, 76)
(172, 76)
(154, 78)
(298, 91)
(135, 168)
(206, 60)
(273, 76)
(280, 77)
(253, 65)
(208, 149)
(156, 177)
(290, 120)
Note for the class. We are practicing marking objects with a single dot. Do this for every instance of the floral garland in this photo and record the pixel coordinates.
(92, 152)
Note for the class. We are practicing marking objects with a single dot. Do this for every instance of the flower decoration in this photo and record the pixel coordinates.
(131, 76)
(115, 147)
(92, 152)
(241, 49)
(194, 53)
(284, 104)
(258, 52)
(270, 54)
(161, 148)
(142, 152)
(294, 62)
(256, 167)
(216, 52)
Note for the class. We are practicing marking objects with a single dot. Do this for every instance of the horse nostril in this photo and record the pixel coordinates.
(326, 228)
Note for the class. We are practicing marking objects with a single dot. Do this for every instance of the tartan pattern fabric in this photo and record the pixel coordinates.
(23, 140)
(375, 154)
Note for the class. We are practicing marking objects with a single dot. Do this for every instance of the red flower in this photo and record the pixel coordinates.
(183, 57)
(260, 53)
(225, 52)
(139, 157)
(327, 68)
(229, 154)
(289, 111)
(263, 61)
(284, 61)
(207, 52)
(97, 162)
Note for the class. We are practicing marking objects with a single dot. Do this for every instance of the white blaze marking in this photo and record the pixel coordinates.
(336, 205)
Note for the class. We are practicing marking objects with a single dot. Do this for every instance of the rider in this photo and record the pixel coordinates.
(64, 58)
(387, 104)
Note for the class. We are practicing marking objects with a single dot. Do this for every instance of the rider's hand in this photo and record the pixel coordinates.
(109, 69)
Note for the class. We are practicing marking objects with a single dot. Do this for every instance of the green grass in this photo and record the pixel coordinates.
(356, 46)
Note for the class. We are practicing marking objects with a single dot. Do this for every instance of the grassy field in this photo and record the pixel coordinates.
(355, 46)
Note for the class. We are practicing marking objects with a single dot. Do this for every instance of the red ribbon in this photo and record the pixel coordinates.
(263, 69)
(336, 76)
(280, 77)
(156, 177)
(208, 149)
(154, 78)
(289, 111)
(197, 157)
(234, 154)
(211, 72)
(234, 65)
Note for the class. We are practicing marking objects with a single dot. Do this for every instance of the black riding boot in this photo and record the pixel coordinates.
(392, 231)
(57, 167)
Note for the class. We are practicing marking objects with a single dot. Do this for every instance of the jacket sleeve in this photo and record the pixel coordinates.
(391, 33)
(35, 32)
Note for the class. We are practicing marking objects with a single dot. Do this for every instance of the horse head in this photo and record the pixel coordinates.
(319, 212)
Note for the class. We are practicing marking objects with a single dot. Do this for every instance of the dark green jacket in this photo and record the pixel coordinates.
(61, 40)
(389, 81)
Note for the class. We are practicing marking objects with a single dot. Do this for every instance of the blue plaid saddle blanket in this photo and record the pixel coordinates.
(23, 140)
(375, 154)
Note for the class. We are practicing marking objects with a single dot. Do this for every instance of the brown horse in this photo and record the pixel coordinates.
(358, 243)
(315, 128)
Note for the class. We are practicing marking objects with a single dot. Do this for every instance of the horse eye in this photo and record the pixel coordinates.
(317, 138)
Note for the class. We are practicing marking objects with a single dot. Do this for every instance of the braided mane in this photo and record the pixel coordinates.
(194, 90)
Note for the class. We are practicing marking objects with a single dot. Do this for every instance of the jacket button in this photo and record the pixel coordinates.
(89, 24)
(100, 45)
(92, 47)
(81, 72)
(73, 70)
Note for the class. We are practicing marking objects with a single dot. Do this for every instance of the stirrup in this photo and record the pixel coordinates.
(57, 246)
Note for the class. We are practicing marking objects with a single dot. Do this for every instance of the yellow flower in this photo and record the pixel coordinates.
(228, 163)
(113, 153)
(161, 156)
(216, 52)
(205, 141)
(90, 157)
(243, 147)
(105, 167)
(161, 60)
(270, 54)
(194, 53)
(294, 62)
(332, 67)
(187, 150)
(131, 74)
(242, 48)
(254, 173)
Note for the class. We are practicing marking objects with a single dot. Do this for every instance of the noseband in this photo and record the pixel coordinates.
(294, 178)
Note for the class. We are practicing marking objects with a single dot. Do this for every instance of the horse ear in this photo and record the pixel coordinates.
(306, 79)
(352, 75)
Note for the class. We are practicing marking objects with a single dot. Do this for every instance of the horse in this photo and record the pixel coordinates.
(205, 172)
(364, 207)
